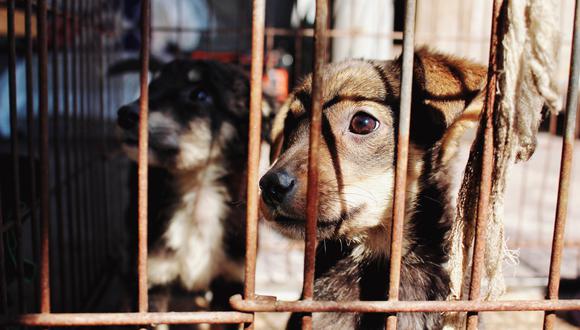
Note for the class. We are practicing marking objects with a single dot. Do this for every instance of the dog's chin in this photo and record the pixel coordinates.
(132, 153)
(294, 227)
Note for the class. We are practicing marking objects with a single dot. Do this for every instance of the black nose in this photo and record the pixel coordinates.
(128, 116)
(276, 186)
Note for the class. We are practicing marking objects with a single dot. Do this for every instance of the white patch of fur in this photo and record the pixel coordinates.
(195, 236)
(198, 146)
(377, 217)
(133, 153)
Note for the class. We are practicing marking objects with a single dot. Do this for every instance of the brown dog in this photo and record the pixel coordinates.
(357, 164)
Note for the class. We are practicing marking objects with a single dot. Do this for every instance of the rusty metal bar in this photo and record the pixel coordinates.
(254, 142)
(118, 319)
(320, 45)
(312, 306)
(44, 158)
(402, 159)
(286, 32)
(14, 149)
(565, 169)
(35, 234)
(486, 168)
(143, 162)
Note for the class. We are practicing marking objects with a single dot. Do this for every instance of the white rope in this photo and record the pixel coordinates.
(526, 83)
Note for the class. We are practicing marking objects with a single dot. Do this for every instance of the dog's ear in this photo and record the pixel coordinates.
(447, 95)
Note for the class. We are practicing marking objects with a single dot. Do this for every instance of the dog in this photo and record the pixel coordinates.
(356, 178)
(198, 131)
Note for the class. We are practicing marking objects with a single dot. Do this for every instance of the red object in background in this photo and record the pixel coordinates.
(276, 83)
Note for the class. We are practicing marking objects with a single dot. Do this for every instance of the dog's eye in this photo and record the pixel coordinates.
(362, 123)
(199, 95)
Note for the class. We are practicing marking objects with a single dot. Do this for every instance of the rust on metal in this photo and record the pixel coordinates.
(258, 23)
(44, 158)
(254, 143)
(320, 45)
(143, 162)
(318, 306)
(402, 159)
(565, 170)
(118, 319)
(486, 168)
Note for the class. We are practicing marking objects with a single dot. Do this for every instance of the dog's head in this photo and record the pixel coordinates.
(196, 108)
(358, 145)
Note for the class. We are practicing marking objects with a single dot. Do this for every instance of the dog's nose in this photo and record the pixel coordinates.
(276, 186)
(128, 116)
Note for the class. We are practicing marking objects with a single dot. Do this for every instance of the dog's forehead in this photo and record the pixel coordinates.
(353, 80)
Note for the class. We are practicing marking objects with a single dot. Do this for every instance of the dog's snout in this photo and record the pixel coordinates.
(276, 187)
(128, 116)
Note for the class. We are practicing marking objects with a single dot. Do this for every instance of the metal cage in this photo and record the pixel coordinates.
(71, 224)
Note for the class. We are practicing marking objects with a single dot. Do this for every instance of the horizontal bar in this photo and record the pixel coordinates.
(109, 319)
(310, 306)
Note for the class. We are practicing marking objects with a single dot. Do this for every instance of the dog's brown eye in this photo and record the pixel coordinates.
(362, 123)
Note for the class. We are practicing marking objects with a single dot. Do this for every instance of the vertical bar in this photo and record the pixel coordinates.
(67, 118)
(101, 60)
(30, 137)
(320, 45)
(402, 158)
(143, 150)
(57, 155)
(81, 271)
(486, 167)
(14, 149)
(565, 169)
(85, 170)
(44, 172)
(258, 24)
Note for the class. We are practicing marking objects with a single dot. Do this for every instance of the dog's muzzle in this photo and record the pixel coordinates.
(277, 187)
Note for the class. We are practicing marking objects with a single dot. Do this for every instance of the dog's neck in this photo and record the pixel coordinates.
(359, 269)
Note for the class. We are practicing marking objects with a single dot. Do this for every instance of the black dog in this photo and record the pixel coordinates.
(198, 128)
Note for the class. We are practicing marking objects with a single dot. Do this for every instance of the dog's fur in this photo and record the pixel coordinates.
(357, 178)
(198, 128)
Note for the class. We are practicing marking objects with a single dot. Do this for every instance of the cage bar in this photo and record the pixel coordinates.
(121, 319)
(44, 157)
(486, 167)
(34, 225)
(565, 171)
(400, 185)
(143, 162)
(319, 306)
(320, 45)
(253, 197)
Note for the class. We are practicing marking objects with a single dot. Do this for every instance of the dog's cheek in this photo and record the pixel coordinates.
(194, 146)
(375, 194)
